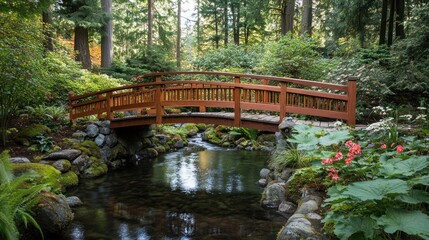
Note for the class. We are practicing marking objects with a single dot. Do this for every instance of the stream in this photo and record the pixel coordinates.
(212, 194)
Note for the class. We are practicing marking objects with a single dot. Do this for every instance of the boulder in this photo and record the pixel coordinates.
(52, 213)
(79, 135)
(179, 144)
(19, 160)
(92, 130)
(286, 125)
(264, 173)
(287, 207)
(111, 140)
(74, 201)
(273, 195)
(262, 182)
(100, 140)
(82, 163)
(307, 207)
(105, 124)
(62, 165)
(69, 154)
(297, 228)
(162, 139)
(105, 130)
(148, 153)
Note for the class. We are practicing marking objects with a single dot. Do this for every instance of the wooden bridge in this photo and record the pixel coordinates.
(244, 98)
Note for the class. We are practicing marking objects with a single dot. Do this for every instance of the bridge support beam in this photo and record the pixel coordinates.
(237, 103)
(351, 100)
(283, 100)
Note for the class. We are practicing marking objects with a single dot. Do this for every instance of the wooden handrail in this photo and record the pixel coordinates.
(239, 96)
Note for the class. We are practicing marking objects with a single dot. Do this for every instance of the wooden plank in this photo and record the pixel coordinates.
(351, 103)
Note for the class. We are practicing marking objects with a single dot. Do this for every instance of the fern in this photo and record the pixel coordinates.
(16, 200)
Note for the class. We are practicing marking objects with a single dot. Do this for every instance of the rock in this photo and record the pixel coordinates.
(262, 182)
(105, 130)
(297, 229)
(273, 195)
(79, 135)
(307, 207)
(148, 153)
(116, 164)
(287, 207)
(264, 173)
(105, 124)
(105, 153)
(160, 149)
(100, 140)
(162, 139)
(19, 160)
(286, 125)
(74, 201)
(179, 144)
(135, 147)
(97, 169)
(69, 154)
(92, 130)
(193, 149)
(286, 174)
(111, 140)
(313, 216)
(82, 163)
(52, 213)
(62, 165)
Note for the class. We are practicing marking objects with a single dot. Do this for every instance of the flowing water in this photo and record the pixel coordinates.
(212, 194)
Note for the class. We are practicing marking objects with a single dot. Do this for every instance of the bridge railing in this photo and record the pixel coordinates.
(276, 94)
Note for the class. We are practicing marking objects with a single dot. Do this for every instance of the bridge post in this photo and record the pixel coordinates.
(158, 100)
(266, 98)
(283, 100)
(237, 102)
(109, 105)
(351, 100)
(100, 109)
(72, 120)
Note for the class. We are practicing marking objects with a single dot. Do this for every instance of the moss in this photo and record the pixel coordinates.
(201, 126)
(88, 147)
(118, 150)
(212, 137)
(69, 179)
(305, 177)
(33, 130)
(160, 149)
(46, 174)
(97, 168)
(226, 144)
(191, 127)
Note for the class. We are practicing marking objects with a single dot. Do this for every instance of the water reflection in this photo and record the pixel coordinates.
(205, 195)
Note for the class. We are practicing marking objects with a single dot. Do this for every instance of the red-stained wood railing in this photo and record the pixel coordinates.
(284, 95)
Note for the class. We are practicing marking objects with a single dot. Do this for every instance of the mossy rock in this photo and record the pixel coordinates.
(160, 149)
(305, 177)
(227, 144)
(69, 179)
(118, 151)
(201, 126)
(210, 135)
(46, 174)
(88, 147)
(97, 168)
(191, 129)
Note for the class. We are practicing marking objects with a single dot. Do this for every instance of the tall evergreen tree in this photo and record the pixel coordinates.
(107, 36)
(85, 14)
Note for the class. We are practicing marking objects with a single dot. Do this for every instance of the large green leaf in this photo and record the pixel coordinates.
(345, 228)
(305, 141)
(414, 196)
(376, 189)
(334, 137)
(410, 222)
(424, 180)
(405, 167)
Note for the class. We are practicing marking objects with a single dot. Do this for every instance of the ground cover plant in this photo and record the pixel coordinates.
(376, 181)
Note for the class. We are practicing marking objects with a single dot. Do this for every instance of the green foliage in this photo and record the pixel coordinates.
(291, 157)
(249, 133)
(83, 13)
(16, 200)
(44, 143)
(154, 60)
(46, 174)
(52, 116)
(25, 8)
(88, 147)
(231, 58)
(308, 137)
(33, 131)
(306, 177)
(293, 57)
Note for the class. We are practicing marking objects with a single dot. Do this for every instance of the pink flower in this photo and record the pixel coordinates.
(399, 149)
(327, 161)
(348, 161)
(335, 177)
(338, 156)
(333, 170)
(383, 146)
(349, 143)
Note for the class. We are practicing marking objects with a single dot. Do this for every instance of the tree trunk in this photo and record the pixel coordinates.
(235, 19)
(198, 28)
(307, 17)
(179, 33)
(391, 22)
(107, 36)
(150, 24)
(400, 15)
(225, 19)
(283, 18)
(383, 24)
(290, 10)
(217, 37)
(81, 46)
(47, 30)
